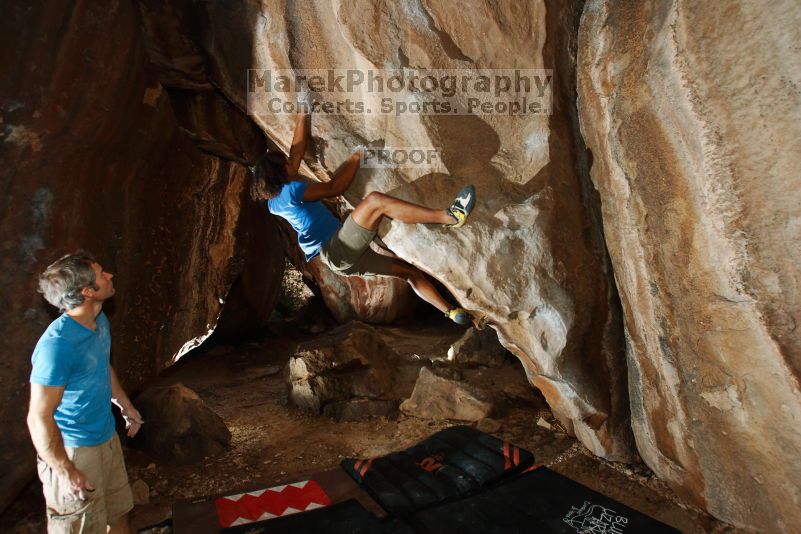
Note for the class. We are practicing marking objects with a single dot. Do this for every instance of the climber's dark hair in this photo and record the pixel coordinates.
(268, 176)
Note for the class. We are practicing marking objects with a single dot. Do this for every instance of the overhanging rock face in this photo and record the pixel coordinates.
(692, 112)
(527, 262)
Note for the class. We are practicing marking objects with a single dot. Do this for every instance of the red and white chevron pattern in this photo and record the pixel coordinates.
(277, 501)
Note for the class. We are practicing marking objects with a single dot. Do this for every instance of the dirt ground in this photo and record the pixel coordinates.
(273, 441)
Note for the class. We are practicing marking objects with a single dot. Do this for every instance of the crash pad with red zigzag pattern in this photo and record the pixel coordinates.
(243, 508)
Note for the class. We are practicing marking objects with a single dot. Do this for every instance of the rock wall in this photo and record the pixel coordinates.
(93, 156)
(528, 263)
(692, 112)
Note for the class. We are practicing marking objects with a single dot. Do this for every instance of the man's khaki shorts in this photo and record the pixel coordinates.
(348, 252)
(104, 467)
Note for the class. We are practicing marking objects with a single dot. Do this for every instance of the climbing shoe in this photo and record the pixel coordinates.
(458, 316)
(462, 206)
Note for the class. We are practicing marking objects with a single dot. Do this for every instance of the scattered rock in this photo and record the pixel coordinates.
(490, 426)
(478, 347)
(435, 397)
(375, 299)
(179, 427)
(347, 363)
(295, 294)
(543, 423)
(141, 492)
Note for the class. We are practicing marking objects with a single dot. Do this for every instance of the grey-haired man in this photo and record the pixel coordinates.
(80, 460)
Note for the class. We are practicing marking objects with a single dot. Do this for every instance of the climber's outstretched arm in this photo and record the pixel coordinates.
(298, 148)
(339, 183)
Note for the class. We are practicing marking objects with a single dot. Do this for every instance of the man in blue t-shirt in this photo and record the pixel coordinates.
(345, 247)
(79, 460)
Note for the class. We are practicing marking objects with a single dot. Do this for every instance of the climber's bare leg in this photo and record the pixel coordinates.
(421, 284)
(376, 205)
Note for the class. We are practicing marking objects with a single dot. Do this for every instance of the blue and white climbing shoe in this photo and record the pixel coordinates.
(462, 206)
(458, 316)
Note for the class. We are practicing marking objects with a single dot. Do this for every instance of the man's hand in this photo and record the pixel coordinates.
(133, 420)
(80, 487)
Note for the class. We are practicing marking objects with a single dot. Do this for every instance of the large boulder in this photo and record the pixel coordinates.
(530, 261)
(179, 427)
(692, 113)
(436, 397)
(372, 299)
(350, 364)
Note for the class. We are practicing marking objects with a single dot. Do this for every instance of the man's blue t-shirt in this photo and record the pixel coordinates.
(71, 355)
(311, 220)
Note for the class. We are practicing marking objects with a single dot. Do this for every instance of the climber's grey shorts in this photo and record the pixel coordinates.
(348, 252)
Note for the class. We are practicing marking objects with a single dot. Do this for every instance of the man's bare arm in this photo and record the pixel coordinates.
(44, 432)
(338, 184)
(133, 420)
(47, 439)
(298, 148)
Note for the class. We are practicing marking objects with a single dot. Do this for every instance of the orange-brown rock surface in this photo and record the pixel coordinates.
(691, 110)
(93, 156)
(528, 263)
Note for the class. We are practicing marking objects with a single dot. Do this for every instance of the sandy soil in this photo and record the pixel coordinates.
(273, 441)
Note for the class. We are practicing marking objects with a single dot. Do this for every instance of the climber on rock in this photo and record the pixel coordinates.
(345, 247)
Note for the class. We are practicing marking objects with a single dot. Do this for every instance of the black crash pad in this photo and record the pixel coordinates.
(451, 464)
(540, 501)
